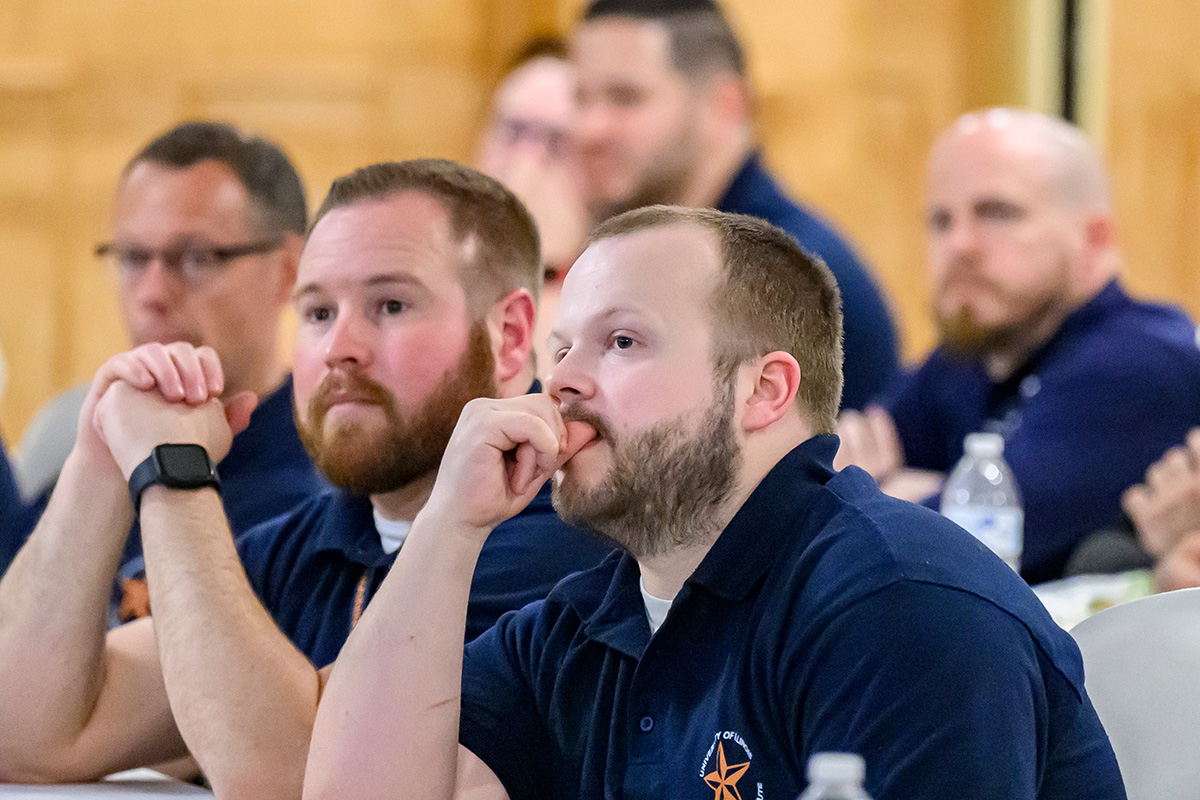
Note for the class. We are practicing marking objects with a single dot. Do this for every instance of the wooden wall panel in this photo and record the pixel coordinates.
(851, 94)
(1153, 143)
(83, 85)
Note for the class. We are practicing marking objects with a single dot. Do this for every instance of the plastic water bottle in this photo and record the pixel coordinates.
(982, 497)
(835, 776)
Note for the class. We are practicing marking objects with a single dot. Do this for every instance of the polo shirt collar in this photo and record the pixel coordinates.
(1084, 318)
(771, 516)
(348, 527)
(739, 558)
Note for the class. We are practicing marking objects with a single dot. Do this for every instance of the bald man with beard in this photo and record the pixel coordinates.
(1038, 340)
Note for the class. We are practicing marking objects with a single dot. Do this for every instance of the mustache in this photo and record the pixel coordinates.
(348, 382)
(577, 414)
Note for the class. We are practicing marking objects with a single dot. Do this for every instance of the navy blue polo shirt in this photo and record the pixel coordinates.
(306, 567)
(265, 473)
(827, 616)
(870, 335)
(1116, 386)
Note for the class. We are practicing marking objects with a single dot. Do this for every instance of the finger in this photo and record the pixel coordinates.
(524, 470)
(123, 367)
(1193, 448)
(191, 373)
(850, 431)
(884, 439)
(166, 374)
(576, 434)
(1176, 462)
(214, 375)
(1134, 500)
(238, 410)
(515, 427)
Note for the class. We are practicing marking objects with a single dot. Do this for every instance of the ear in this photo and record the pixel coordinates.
(730, 98)
(510, 327)
(293, 244)
(1099, 245)
(773, 382)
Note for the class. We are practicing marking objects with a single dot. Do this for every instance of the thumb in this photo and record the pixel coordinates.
(238, 409)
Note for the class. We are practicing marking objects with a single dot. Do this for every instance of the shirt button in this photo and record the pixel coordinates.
(647, 724)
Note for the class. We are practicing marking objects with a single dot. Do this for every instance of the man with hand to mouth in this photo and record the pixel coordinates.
(416, 293)
(765, 607)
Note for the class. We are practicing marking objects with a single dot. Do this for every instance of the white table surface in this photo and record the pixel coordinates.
(138, 784)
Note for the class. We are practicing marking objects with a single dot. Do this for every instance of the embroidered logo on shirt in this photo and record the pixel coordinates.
(722, 769)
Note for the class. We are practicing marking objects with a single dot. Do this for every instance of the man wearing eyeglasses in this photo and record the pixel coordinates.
(208, 224)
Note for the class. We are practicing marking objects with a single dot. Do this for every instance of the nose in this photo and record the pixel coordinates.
(592, 123)
(348, 340)
(155, 284)
(961, 236)
(570, 381)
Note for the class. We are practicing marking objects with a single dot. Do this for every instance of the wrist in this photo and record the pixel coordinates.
(185, 467)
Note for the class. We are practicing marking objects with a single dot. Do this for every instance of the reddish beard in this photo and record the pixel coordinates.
(378, 460)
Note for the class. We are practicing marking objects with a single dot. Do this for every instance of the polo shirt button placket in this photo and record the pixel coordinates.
(647, 724)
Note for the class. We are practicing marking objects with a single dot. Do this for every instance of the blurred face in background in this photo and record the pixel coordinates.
(1003, 249)
(532, 115)
(529, 145)
(174, 230)
(638, 115)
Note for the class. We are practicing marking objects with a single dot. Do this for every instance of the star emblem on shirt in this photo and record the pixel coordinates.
(723, 780)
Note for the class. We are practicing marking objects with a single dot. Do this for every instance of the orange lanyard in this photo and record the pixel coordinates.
(360, 599)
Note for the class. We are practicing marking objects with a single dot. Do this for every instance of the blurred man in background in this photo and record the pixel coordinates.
(528, 144)
(208, 224)
(1039, 342)
(666, 116)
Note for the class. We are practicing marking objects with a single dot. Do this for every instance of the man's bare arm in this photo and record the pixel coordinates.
(73, 704)
(243, 697)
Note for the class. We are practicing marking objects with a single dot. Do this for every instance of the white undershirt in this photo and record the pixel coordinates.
(656, 608)
(392, 532)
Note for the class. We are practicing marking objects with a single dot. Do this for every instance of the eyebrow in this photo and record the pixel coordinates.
(603, 316)
(386, 279)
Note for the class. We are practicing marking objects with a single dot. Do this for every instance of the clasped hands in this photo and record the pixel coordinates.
(159, 394)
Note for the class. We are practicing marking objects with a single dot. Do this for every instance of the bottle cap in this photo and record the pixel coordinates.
(836, 768)
(984, 445)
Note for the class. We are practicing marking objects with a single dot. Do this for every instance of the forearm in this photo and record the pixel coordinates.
(53, 619)
(389, 716)
(243, 697)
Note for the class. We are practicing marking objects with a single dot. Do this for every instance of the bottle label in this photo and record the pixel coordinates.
(1001, 529)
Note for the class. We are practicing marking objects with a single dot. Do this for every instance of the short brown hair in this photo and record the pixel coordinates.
(771, 295)
(702, 41)
(506, 250)
(276, 192)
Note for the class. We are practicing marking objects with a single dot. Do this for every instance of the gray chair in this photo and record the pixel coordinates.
(1142, 671)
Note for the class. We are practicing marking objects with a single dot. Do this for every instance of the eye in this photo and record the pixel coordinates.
(391, 307)
(317, 314)
(999, 211)
(559, 354)
(939, 220)
(622, 342)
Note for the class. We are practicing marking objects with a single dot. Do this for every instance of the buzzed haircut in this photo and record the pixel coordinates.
(702, 41)
(771, 295)
(275, 189)
(485, 215)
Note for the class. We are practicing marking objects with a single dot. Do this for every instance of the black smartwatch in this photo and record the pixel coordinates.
(176, 466)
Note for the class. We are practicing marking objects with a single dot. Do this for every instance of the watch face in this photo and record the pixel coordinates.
(183, 462)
